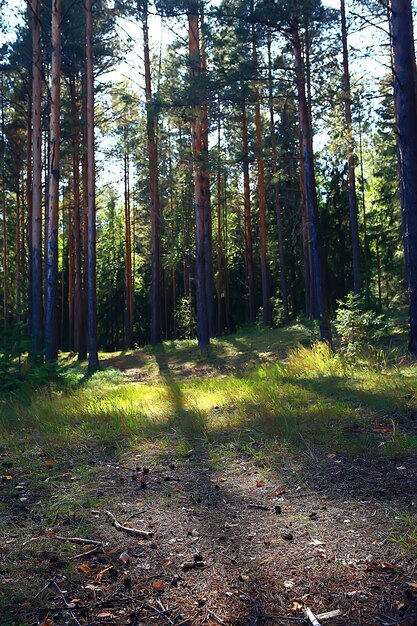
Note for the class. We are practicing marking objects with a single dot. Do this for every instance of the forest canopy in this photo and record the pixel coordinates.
(181, 169)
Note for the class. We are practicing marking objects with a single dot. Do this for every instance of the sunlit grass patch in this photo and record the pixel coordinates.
(313, 397)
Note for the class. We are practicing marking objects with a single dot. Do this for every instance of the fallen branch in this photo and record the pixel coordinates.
(83, 554)
(79, 540)
(261, 507)
(311, 617)
(144, 534)
(329, 615)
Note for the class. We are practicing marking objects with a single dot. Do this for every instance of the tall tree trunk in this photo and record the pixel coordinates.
(51, 296)
(91, 271)
(19, 247)
(154, 191)
(248, 244)
(353, 203)
(310, 188)
(364, 219)
(203, 331)
(4, 212)
(220, 323)
(277, 192)
(128, 264)
(78, 288)
(405, 92)
(71, 269)
(82, 353)
(36, 221)
(208, 244)
(266, 305)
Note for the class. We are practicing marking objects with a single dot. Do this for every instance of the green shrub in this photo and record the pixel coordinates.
(357, 326)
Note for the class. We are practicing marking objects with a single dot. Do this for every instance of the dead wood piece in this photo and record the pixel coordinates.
(260, 507)
(144, 534)
(79, 540)
(218, 619)
(329, 615)
(311, 617)
(83, 554)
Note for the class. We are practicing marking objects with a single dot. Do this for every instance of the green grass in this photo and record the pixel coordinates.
(250, 387)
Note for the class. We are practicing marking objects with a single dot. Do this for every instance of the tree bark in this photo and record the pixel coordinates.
(36, 218)
(266, 305)
(220, 322)
(208, 243)
(154, 191)
(82, 353)
(248, 243)
(405, 92)
(310, 189)
(128, 264)
(78, 288)
(353, 203)
(51, 296)
(4, 211)
(91, 270)
(277, 192)
(203, 331)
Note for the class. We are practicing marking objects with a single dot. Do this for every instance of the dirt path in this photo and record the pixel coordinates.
(234, 542)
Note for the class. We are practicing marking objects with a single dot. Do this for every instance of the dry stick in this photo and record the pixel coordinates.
(311, 617)
(83, 554)
(329, 614)
(79, 540)
(45, 587)
(131, 531)
(66, 603)
(164, 611)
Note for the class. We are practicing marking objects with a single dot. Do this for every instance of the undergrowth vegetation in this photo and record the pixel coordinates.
(250, 387)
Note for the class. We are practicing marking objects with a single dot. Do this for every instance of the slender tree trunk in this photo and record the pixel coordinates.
(4, 211)
(378, 271)
(28, 228)
(353, 203)
(128, 264)
(208, 243)
(154, 191)
(36, 221)
(71, 270)
(91, 270)
(405, 92)
(364, 219)
(19, 247)
(227, 290)
(266, 305)
(78, 293)
(51, 300)
(248, 244)
(203, 330)
(277, 192)
(82, 353)
(220, 322)
(310, 189)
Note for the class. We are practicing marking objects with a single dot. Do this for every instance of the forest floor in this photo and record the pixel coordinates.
(271, 480)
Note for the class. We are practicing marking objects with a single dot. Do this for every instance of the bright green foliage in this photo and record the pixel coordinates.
(357, 326)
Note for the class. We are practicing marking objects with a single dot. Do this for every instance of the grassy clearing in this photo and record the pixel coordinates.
(252, 387)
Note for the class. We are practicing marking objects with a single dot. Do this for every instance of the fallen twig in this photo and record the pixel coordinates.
(145, 534)
(83, 554)
(215, 617)
(45, 587)
(329, 615)
(311, 617)
(261, 507)
(79, 540)
(67, 605)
